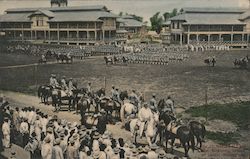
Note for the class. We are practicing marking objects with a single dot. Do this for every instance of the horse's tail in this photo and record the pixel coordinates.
(39, 91)
(122, 113)
(192, 140)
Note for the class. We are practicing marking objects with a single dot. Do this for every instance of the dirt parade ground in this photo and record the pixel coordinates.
(191, 83)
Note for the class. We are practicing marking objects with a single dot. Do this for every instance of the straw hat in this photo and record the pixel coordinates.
(162, 154)
(140, 149)
(57, 141)
(146, 148)
(50, 129)
(116, 150)
(96, 154)
(154, 147)
(96, 135)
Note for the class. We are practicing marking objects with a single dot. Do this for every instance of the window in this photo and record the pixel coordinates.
(39, 21)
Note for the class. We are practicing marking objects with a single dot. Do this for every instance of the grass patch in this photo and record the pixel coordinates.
(223, 138)
(238, 113)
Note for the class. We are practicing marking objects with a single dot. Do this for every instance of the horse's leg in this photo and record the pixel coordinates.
(185, 146)
(172, 144)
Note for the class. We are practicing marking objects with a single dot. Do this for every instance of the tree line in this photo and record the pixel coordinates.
(157, 19)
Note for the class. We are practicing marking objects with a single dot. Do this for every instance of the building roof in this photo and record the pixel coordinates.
(59, 14)
(44, 12)
(81, 16)
(129, 22)
(15, 17)
(213, 10)
(58, 9)
(211, 16)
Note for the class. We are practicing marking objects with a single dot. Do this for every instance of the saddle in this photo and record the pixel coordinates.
(173, 127)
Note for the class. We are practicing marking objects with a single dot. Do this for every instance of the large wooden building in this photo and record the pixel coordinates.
(61, 25)
(215, 26)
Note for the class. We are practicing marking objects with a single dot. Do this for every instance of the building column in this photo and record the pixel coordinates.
(232, 37)
(103, 35)
(188, 38)
(208, 38)
(49, 34)
(197, 38)
(35, 35)
(242, 37)
(87, 35)
(109, 34)
(67, 35)
(181, 39)
(220, 40)
(31, 35)
(22, 33)
(58, 35)
(77, 35)
(45, 36)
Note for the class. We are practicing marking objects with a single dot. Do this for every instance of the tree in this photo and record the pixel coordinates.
(120, 14)
(136, 17)
(156, 22)
(174, 13)
(166, 16)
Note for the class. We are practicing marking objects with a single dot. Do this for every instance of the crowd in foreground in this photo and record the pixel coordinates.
(49, 137)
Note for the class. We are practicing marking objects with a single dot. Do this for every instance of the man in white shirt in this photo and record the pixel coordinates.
(6, 133)
(144, 116)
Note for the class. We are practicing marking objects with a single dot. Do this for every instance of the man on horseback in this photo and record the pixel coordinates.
(116, 96)
(169, 106)
(53, 82)
(71, 85)
(144, 116)
(89, 88)
(134, 99)
(64, 84)
(153, 102)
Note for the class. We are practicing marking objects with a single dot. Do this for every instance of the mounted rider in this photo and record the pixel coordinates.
(144, 116)
(89, 88)
(71, 85)
(116, 96)
(53, 81)
(169, 106)
(134, 99)
(152, 102)
(64, 84)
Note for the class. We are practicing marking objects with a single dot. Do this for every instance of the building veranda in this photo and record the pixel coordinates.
(61, 25)
(209, 26)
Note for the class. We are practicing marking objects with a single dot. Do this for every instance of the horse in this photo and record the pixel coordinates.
(241, 63)
(108, 60)
(209, 61)
(109, 106)
(100, 121)
(150, 128)
(181, 132)
(42, 61)
(126, 111)
(64, 58)
(58, 96)
(161, 105)
(96, 97)
(44, 92)
(123, 95)
(198, 131)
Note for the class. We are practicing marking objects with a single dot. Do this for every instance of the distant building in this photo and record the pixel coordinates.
(227, 26)
(61, 25)
(131, 25)
(59, 3)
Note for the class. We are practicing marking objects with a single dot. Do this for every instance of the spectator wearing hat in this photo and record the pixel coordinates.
(13, 155)
(144, 116)
(152, 154)
(116, 154)
(162, 154)
(32, 146)
(6, 132)
(46, 149)
(83, 154)
(24, 130)
(153, 102)
(57, 150)
(71, 150)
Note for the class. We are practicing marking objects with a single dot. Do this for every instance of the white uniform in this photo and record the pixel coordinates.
(63, 84)
(6, 134)
(144, 115)
(170, 106)
(46, 151)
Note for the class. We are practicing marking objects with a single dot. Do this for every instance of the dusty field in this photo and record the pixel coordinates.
(185, 81)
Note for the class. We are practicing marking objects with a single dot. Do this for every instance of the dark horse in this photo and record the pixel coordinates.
(241, 63)
(108, 60)
(44, 92)
(209, 61)
(198, 131)
(181, 132)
